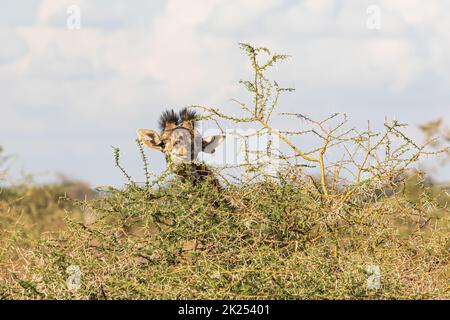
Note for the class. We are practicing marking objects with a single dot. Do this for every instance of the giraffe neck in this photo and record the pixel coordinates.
(196, 172)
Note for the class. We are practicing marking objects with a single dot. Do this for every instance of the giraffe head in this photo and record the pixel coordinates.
(179, 139)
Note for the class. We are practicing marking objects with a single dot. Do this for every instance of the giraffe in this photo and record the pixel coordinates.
(181, 144)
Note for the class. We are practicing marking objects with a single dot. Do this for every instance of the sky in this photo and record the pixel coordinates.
(70, 94)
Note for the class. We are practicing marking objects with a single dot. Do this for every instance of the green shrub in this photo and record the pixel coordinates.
(261, 240)
(277, 236)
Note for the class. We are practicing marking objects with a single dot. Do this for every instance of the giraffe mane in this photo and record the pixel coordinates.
(168, 117)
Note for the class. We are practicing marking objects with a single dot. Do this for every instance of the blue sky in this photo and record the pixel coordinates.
(69, 95)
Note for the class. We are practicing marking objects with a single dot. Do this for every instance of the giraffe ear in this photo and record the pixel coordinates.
(150, 138)
(210, 144)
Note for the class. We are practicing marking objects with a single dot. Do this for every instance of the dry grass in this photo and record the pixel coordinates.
(261, 240)
(284, 235)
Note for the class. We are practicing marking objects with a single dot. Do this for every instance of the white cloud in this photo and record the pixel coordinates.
(13, 47)
(191, 49)
(50, 9)
(415, 12)
(101, 14)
